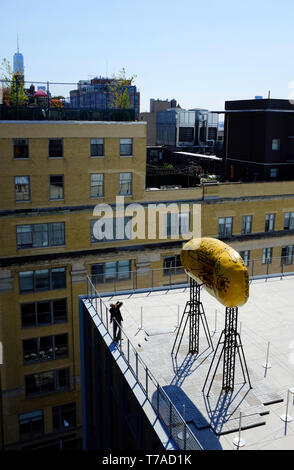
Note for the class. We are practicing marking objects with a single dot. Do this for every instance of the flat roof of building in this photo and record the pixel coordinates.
(266, 327)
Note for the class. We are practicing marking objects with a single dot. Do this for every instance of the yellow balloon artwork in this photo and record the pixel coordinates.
(219, 268)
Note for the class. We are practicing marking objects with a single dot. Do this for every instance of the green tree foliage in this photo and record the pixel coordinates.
(13, 84)
(118, 91)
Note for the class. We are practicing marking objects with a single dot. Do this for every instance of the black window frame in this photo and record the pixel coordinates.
(31, 419)
(120, 183)
(225, 234)
(126, 148)
(58, 418)
(245, 259)
(289, 225)
(28, 192)
(286, 260)
(265, 258)
(53, 150)
(46, 229)
(19, 143)
(59, 184)
(56, 383)
(36, 313)
(95, 145)
(105, 240)
(172, 265)
(50, 271)
(93, 186)
(40, 356)
(101, 278)
(244, 222)
(268, 220)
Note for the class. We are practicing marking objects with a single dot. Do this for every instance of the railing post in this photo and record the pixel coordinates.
(136, 365)
(157, 400)
(185, 436)
(147, 382)
(170, 418)
(128, 351)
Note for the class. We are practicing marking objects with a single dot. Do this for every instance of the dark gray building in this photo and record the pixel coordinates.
(259, 140)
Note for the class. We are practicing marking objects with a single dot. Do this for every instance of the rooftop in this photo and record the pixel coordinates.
(266, 327)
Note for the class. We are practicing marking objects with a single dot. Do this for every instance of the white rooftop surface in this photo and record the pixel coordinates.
(266, 326)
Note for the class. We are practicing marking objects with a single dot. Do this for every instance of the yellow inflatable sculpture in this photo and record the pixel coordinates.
(219, 267)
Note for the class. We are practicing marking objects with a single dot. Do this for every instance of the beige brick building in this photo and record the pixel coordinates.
(53, 175)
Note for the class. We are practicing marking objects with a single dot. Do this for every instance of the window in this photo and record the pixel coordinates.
(64, 417)
(22, 188)
(289, 221)
(20, 148)
(56, 189)
(246, 256)
(97, 185)
(125, 147)
(45, 348)
(172, 265)
(267, 255)
(97, 148)
(40, 235)
(287, 254)
(110, 231)
(55, 148)
(269, 223)
(246, 224)
(47, 382)
(274, 172)
(225, 227)
(177, 224)
(275, 144)
(117, 270)
(125, 184)
(47, 312)
(31, 425)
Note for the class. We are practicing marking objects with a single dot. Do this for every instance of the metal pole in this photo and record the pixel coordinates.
(267, 364)
(287, 418)
(238, 441)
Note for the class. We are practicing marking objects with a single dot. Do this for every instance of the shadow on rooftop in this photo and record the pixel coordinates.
(197, 423)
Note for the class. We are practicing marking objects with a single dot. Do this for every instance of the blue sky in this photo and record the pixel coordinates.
(201, 53)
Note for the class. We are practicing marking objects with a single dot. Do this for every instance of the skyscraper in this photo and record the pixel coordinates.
(18, 66)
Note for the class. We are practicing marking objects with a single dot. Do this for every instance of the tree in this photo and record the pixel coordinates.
(118, 90)
(14, 85)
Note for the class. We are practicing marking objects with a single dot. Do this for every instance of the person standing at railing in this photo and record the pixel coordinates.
(116, 318)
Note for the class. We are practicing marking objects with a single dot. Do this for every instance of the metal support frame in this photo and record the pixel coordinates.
(193, 311)
(231, 345)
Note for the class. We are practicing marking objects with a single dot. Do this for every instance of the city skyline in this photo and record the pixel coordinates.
(200, 55)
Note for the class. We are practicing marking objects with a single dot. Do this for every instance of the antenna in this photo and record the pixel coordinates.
(17, 43)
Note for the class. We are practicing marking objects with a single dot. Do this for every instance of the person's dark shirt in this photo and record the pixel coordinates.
(115, 313)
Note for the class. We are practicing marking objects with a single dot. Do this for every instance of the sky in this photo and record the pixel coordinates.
(201, 53)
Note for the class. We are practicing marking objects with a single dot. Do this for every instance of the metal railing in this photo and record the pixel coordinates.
(37, 113)
(158, 278)
(164, 408)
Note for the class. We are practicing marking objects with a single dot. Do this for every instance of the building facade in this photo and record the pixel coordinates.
(195, 128)
(96, 94)
(150, 117)
(54, 178)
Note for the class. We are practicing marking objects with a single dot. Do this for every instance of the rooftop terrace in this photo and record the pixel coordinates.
(266, 327)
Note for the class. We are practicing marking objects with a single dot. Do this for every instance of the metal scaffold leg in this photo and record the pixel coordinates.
(229, 344)
(193, 311)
